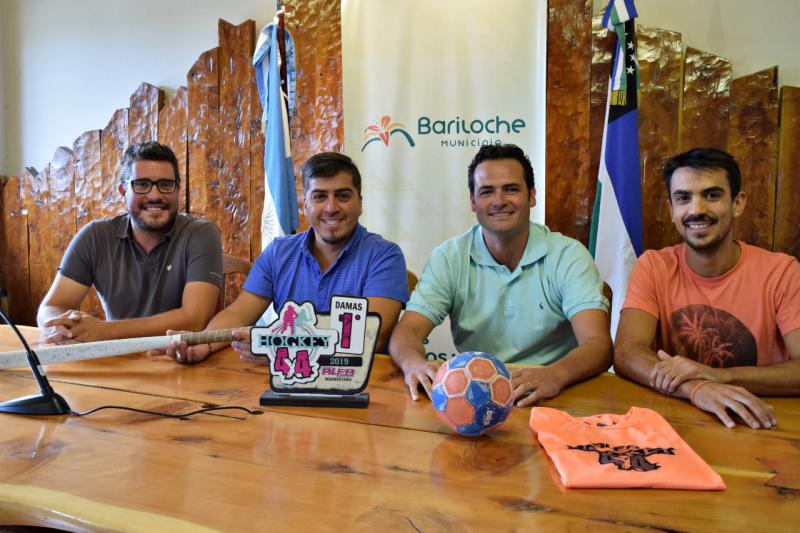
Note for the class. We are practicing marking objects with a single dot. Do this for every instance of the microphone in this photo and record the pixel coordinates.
(48, 401)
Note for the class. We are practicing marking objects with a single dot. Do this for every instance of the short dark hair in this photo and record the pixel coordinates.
(147, 151)
(704, 158)
(500, 151)
(327, 165)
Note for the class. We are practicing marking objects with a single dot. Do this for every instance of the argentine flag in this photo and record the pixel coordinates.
(615, 240)
(280, 196)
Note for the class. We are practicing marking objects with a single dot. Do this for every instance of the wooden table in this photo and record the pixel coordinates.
(390, 467)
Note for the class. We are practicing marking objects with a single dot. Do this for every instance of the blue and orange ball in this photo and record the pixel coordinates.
(472, 393)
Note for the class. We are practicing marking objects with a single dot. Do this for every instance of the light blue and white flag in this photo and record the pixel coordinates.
(616, 234)
(280, 197)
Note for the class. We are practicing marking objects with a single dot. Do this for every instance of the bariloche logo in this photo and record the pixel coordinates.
(382, 129)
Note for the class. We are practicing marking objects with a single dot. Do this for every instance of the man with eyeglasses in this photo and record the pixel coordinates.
(153, 269)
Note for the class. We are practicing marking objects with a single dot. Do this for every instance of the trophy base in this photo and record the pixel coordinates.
(360, 400)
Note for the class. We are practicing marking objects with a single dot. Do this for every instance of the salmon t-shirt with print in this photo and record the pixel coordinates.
(736, 319)
(636, 450)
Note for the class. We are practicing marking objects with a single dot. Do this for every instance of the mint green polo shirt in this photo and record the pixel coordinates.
(521, 316)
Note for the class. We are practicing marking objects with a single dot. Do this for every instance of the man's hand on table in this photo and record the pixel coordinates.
(182, 353)
(241, 345)
(722, 400)
(419, 371)
(534, 384)
(671, 371)
(73, 326)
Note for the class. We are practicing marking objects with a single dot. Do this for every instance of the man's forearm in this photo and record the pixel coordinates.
(176, 319)
(406, 351)
(583, 362)
(635, 362)
(782, 379)
(48, 312)
(405, 347)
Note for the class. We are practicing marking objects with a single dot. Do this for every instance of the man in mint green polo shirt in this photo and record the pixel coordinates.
(512, 288)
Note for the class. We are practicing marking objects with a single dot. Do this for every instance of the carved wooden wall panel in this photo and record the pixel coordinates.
(214, 128)
(569, 186)
(203, 138)
(50, 200)
(15, 254)
(172, 132)
(93, 192)
(91, 189)
(36, 197)
(113, 141)
(236, 47)
(236, 51)
(146, 102)
(706, 101)
(317, 124)
(61, 210)
(659, 54)
(787, 210)
(753, 141)
(602, 48)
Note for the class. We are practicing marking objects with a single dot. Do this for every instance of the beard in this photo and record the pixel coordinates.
(160, 227)
(711, 245)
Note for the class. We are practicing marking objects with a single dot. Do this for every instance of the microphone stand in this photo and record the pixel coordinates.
(48, 401)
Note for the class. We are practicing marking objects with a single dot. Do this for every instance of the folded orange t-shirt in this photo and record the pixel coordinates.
(636, 450)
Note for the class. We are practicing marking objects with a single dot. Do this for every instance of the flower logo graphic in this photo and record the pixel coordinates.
(382, 129)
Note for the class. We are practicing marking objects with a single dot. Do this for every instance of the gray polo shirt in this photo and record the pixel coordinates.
(132, 283)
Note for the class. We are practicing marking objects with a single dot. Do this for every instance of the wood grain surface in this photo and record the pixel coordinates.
(236, 46)
(203, 138)
(705, 116)
(114, 141)
(15, 254)
(146, 101)
(94, 192)
(660, 56)
(569, 186)
(753, 141)
(787, 208)
(388, 466)
(172, 132)
(235, 53)
(317, 122)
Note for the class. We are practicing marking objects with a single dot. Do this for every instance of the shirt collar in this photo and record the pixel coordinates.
(124, 230)
(535, 249)
(358, 234)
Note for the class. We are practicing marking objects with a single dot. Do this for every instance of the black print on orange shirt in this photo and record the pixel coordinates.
(627, 457)
(711, 336)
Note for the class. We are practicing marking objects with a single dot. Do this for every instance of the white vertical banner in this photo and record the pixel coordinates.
(426, 84)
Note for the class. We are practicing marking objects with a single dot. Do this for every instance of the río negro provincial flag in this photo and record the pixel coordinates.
(615, 240)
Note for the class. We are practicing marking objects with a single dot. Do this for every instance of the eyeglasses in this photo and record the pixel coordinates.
(142, 186)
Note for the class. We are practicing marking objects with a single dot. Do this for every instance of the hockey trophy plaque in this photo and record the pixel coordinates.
(319, 359)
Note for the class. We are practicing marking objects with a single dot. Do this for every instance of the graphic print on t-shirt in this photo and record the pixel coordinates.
(712, 336)
(628, 457)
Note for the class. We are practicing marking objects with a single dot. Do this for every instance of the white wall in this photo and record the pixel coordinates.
(753, 34)
(67, 65)
(70, 64)
(4, 37)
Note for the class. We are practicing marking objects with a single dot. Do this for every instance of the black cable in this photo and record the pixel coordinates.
(46, 388)
(183, 416)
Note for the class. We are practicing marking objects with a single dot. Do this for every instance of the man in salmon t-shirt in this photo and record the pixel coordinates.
(724, 316)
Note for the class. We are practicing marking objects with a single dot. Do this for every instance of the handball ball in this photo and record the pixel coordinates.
(472, 393)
